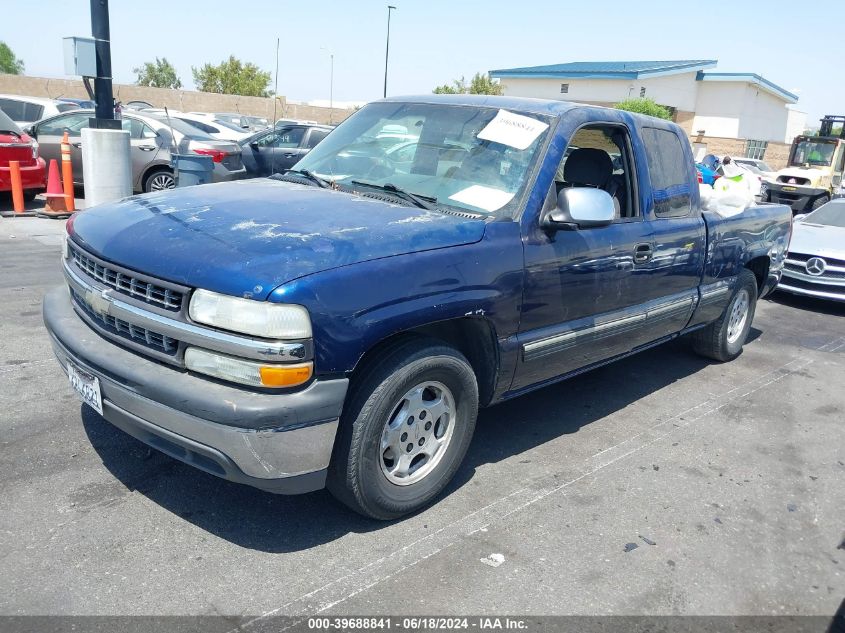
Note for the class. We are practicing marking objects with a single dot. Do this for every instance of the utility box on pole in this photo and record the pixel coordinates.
(80, 56)
(105, 144)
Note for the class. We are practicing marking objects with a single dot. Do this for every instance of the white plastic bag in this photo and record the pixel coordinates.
(730, 197)
(726, 197)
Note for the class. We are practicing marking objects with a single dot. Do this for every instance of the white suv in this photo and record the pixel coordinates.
(25, 110)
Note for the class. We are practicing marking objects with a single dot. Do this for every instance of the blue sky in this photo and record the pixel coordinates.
(434, 41)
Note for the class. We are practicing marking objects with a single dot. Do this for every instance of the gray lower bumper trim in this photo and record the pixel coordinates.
(298, 446)
(206, 458)
(177, 389)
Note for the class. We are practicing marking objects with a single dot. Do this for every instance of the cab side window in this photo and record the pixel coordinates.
(669, 171)
(599, 156)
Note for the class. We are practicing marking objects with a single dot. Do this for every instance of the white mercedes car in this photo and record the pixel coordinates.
(815, 265)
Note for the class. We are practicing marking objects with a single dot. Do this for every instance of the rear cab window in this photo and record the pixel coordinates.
(669, 171)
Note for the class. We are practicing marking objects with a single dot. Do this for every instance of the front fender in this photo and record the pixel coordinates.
(355, 307)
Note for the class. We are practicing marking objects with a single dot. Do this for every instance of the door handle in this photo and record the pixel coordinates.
(77, 144)
(289, 155)
(147, 148)
(643, 253)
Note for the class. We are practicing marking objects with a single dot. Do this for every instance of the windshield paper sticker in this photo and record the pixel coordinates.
(512, 129)
(483, 197)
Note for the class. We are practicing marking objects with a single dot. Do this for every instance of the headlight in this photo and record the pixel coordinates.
(260, 318)
(247, 372)
(34, 148)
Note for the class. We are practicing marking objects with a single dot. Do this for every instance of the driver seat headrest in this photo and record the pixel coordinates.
(587, 166)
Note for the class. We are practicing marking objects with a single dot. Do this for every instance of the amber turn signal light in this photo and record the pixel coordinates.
(286, 375)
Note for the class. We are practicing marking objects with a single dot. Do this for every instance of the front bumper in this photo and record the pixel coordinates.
(801, 285)
(795, 196)
(280, 442)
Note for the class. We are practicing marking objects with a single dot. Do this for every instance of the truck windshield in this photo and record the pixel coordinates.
(818, 153)
(475, 158)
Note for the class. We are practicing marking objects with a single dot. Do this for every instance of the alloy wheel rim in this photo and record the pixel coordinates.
(738, 316)
(162, 182)
(417, 433)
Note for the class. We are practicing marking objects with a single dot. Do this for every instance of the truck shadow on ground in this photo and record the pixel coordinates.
(258, 520)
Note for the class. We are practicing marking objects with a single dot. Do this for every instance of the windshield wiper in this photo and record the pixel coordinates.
(423, 202)
(310, 175)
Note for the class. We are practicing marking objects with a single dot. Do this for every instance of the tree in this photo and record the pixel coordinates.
(484, 85)
(9, 64)
(158, 74)
(233, 77)
(645, 105)
(480, 84)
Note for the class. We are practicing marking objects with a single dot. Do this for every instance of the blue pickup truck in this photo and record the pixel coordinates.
(341, 324)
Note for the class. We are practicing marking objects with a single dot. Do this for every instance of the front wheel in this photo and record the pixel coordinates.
(405, 430)
(817, 203)
(723, 339)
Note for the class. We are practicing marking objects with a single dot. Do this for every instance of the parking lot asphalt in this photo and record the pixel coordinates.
(662, 484)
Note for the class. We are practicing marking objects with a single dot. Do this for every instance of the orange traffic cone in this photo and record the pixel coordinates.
(56, 206)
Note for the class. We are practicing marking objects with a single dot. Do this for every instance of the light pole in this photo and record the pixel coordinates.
(390, 7)
(331, 89)
(331, 84)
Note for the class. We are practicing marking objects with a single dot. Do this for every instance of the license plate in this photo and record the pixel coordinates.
(86, 386)
(789, 188)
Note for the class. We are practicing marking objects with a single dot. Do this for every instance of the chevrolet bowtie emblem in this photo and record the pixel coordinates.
(99, 302)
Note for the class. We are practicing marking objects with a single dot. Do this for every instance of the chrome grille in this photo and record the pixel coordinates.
(134, 286)
(124, 329)
(797, 262)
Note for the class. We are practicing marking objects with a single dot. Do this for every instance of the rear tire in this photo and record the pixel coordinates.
(405, 429)
(159, 180)
(723, 339)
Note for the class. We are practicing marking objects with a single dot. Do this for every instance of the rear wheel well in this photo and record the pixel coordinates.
(474, 337)
(149, 171)
(760, 267)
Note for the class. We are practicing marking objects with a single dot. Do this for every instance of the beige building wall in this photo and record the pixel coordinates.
(185, 100)
(776, 153)
(678, 90)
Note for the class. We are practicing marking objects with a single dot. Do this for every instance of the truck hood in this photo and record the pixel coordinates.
(819, 240)
(247, 237)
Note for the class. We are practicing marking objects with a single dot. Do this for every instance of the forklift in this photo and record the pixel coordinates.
(814, 172)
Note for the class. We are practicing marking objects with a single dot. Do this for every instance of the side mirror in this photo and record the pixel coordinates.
(799, 217)
(29, 130)
(254, 145)
(580, 208)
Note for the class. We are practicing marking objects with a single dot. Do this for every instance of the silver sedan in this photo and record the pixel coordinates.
(815, 265)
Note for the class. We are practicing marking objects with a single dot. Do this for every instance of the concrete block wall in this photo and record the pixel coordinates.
(776, 154)
(185, 100)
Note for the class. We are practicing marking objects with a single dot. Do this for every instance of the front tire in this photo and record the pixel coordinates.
(405, 430)
(723, 339)
(817, 203)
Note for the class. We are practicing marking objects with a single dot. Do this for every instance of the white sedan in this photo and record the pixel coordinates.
(815, 264)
